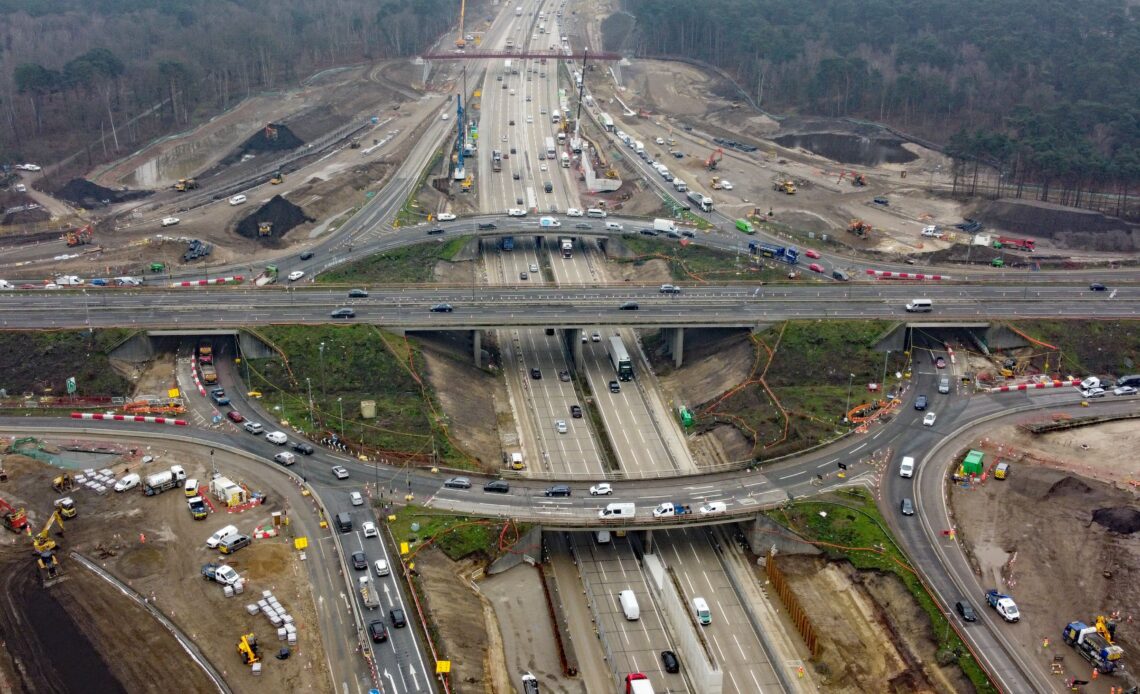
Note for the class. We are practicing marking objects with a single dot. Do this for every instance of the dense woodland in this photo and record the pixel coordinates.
(122, 71)
(1043, 91)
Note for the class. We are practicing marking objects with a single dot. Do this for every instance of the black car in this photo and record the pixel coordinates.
(306, 255)
(648, 232)
(629, 306)
(435, 231)
(669, 660)
(397, 616)
(359, 561)
(615, 387)
(576, 411)
(920, 402)
(906, 506)
(487, 226)
(582, 226)
(343, 313)
(302, 447)
(378, 631)
(442, 308)
(515, 175)
(357, 294)
(966, 610)
(536, 374)
(1097, 287)
(497, 486)
(557, 490)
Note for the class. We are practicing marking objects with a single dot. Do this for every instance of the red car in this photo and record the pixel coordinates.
(235, 416)
(940, 363)
(816, 267)
(811, 254)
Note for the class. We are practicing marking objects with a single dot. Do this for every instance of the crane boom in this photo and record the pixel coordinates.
(461, 42)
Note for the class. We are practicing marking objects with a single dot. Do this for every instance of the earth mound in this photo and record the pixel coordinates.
(281, 213)
(90, 196)
(272, 138)
(1068, 226)
(1067, 486)
(1118, 519)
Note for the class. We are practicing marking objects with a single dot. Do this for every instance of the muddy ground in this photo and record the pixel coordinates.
(155, 547)
(1038, 535)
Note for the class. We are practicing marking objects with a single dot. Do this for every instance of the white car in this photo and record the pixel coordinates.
(382, 568)
(296, 275)
(660, 140)
(596, 337)
(238, 199)
(713, 508)
(128, 281)
(51, 285)
(27, 167)
(530, 119)
(573, 212)
(21, 188)
(516, 212)
(1124, 390)
(6, 285)
(356, 499)
(928, 420)
(602, 489)
(69, 281)
(170, 221)
(127, 482)
(726, 185)
(369, 529)
(560, 426)
(542, 167)
(277, 437)
(339, 472)
(1093, 393)
(445, 216)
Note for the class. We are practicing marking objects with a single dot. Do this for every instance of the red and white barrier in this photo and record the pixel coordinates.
(129, 418)
(194, 375)
(1034, 386)
(950, 351)
(203, 283)
(888, 275)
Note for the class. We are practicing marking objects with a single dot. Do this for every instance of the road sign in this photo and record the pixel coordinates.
(71, 387)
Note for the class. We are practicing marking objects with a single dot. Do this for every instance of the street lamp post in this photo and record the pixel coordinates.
(340, 404)
(883, 383)
(322, 359)
(309, 382)
(850, 380)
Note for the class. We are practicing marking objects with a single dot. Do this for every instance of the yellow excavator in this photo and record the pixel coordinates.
(63, 484)
(43, 542)
(248, 649)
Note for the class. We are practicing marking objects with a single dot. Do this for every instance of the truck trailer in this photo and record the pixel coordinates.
(704, 202)
(368, 593)
(160, 482)
(567, 246)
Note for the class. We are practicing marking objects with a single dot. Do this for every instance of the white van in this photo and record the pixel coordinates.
(277, 437)
(603, 537)
(618, 510)
(920, 306)
(217, 537)
(596, 212)
(629, 605)
(701, 610)
(285, 458)
(906, 467)
(613, 226)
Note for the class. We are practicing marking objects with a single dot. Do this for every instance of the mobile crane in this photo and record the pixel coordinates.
(461, 42)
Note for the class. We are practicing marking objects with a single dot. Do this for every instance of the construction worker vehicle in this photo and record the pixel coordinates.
(1094, 643)
(63, 484)
(79, 237)
(786, 185)
(66, 507)
(278, 178)
(198, 509)
(267, 276)
(368, 594)
(15, 519)
(1003, 605)
(185, 184)
(220, 573)
(160, 482)
(248, 649)
(714, 159)
(42, 542)
(859, 228)
(1017, 244)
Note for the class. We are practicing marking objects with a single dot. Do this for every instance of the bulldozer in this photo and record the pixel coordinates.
(859, 228)
(787, 186)
(79, 237)
(248, 649)
(265, 228)
(64, 483)
(278, 179)
(48, 565)
(42, 542)
(185, 184)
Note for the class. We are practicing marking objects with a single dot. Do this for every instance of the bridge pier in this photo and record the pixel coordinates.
(477, 347)
(675, 339)
(647, 546)
(574, 335)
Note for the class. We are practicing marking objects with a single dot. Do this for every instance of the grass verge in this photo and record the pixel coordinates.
(41, 361)
(854, 530)
(1088, 347)
(456, 536)
(407, 265)
(700, 263)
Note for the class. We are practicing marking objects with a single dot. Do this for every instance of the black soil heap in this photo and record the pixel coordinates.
(89, 196)
(1119, 519)
(272, 138)
(283, 214)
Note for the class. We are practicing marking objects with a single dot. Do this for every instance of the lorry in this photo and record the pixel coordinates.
(368, 594)
(629, 605)
(267, 276)
(664, 225)
(701, 200)
(209, 374)
(783, 254)
(160, 482)
(637, 683)
(551, 152)
(508, 243)
(1094, 647)
(564, 159)
(670, 509)
(567, 246)
(496, 160)
(680, 186)
(1017, 244)
(1004, 605)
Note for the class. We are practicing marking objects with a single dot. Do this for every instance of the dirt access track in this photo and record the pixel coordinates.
(1059, 535)
(83, 634)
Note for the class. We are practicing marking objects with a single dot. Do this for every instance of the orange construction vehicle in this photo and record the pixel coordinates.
(716, 156)
(79, 237)
(859, 228)
(15, 519)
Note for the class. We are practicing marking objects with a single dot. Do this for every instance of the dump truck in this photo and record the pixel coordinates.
(185, 184)
(160, 482)
(670, 509)
(1004, 605)
(198, 508)
(1093, 646)
(368, 593)
(209, 374)
(267, 276)
(785, 186)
